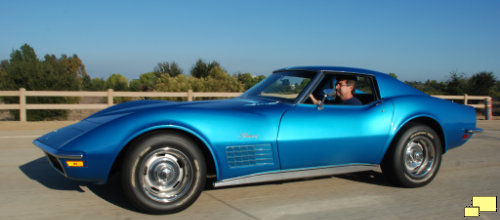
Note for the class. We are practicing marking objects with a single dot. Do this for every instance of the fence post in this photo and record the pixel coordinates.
(466, 99)
(190, 95)
(488, 113)
(22, 104)
(110, 97)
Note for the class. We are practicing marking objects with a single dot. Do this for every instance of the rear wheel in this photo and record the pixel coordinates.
(163, 173)
(414, 158)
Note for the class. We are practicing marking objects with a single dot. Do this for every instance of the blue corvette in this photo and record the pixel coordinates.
(298, 122)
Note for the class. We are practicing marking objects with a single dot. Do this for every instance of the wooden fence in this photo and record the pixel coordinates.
(190, 95)
(110, 95)
(487, 104)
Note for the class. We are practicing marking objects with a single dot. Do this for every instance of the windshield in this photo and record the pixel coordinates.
(281, 86)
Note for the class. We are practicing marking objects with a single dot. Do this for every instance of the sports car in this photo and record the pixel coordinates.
(292, 125)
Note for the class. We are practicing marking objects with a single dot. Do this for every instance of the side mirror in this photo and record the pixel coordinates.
(332, 93)
(327, 93)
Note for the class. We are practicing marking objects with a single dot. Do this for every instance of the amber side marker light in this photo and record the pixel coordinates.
(73, 163)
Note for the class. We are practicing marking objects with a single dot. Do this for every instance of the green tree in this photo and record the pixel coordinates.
(61, 73)
(482, 83)
(457, 84)
(181, 83)
(220, 81)
(22, 69)
(434, 87)
(216, 80)
(117, 82)
(5, 80)
(393, 75)
(496, 89)
(172, 69)
(25, 70)
(175, 70)
(97, 84)
(146, 82)
(248, 80)
(202, 69)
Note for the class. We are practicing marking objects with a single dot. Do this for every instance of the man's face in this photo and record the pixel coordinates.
(343, 90)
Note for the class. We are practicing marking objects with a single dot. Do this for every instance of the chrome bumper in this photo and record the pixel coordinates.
(474, 130)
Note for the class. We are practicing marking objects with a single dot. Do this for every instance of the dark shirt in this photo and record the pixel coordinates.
(352, 101)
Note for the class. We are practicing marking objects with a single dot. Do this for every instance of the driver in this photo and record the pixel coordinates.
(345, 87)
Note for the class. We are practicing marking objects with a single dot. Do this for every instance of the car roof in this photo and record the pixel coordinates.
(334, 69)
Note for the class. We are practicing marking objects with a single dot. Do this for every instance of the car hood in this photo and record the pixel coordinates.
(59, 138)
(147, 105)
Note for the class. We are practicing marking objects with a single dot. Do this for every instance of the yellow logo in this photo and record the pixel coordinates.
(481, 204)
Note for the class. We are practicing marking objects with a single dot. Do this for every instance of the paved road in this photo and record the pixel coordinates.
(30, 189)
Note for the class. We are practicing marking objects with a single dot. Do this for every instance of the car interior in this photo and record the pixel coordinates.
(364, 90)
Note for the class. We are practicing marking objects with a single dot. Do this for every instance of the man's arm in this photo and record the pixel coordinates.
(315, 101)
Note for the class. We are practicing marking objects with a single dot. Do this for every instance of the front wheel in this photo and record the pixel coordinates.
(163, 173)
(414, 158)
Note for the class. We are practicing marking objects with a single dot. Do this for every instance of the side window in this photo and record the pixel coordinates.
(287, 87)
(363, 86)
(364, 91)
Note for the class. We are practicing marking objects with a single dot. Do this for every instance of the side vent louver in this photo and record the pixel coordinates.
(249, 155)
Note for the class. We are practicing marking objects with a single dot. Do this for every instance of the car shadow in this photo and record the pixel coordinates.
(370, 177)
(40, 170)
(112, 192)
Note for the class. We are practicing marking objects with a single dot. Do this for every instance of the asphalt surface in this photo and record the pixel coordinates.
(30, 189)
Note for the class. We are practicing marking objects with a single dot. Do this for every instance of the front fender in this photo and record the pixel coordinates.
(171, 126)
(103, 144)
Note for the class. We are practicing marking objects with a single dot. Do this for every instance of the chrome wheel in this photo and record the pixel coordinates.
(414, 157)
(163, 172)
(166, 174)
(419, 157)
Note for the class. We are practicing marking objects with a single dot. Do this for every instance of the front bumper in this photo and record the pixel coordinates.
(58, 158)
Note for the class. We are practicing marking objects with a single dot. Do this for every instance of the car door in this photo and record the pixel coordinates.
(335, 135)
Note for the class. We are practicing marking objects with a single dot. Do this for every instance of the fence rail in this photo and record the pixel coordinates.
(190, 95)
(487, 106)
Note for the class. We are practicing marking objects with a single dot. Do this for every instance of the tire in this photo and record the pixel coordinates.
(163, 173)
(414, 158)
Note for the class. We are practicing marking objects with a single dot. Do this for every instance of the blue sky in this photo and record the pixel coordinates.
(417, 40)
